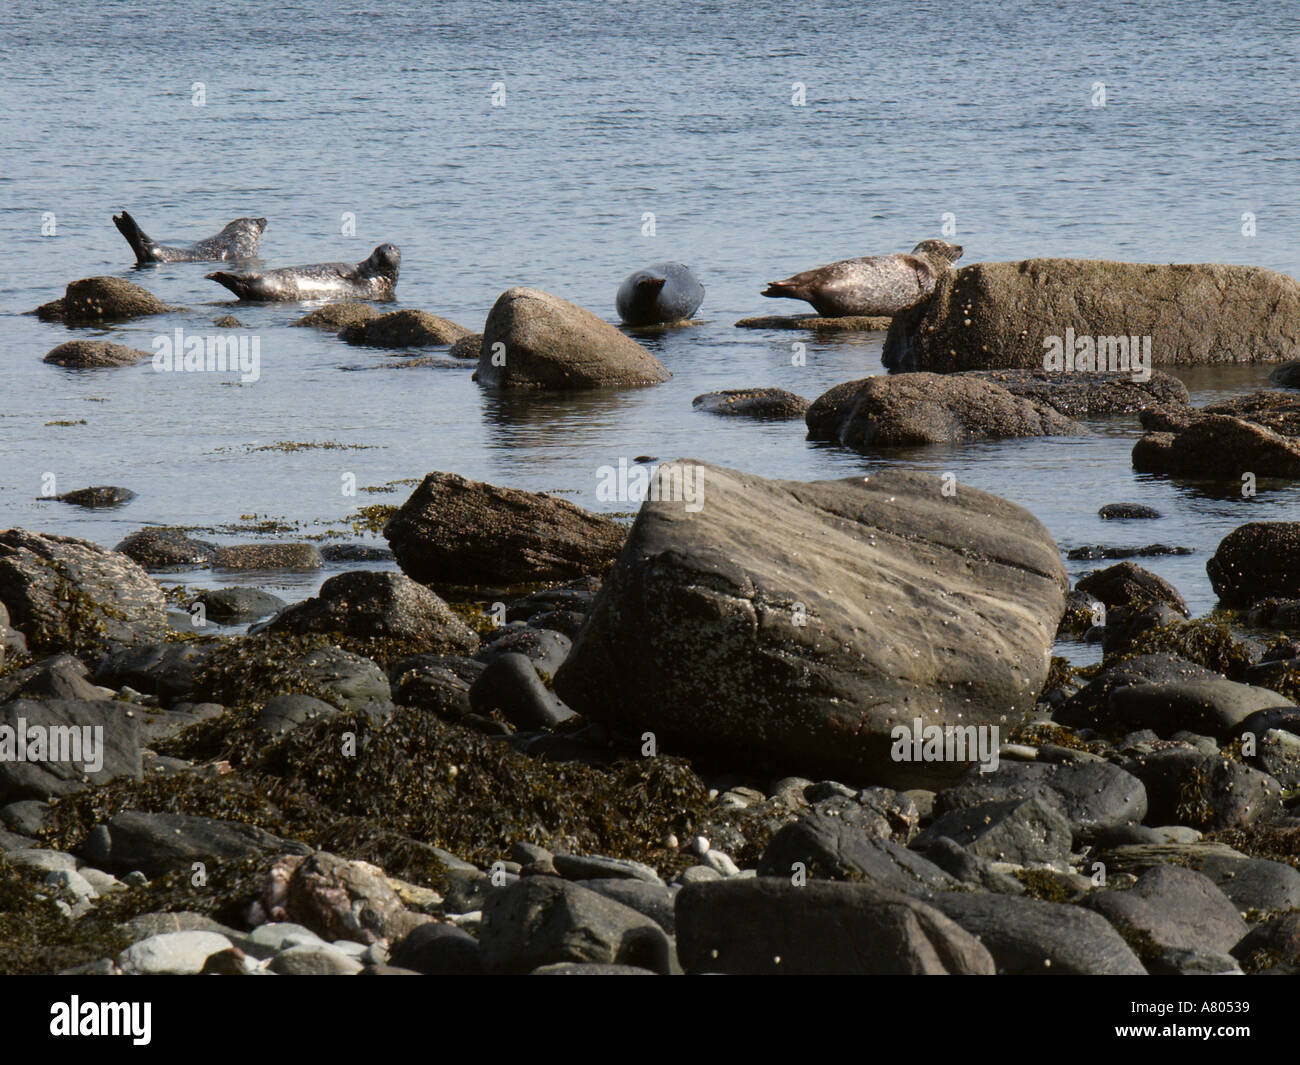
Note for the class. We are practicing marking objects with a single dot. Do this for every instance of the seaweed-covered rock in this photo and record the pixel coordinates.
(65, 594)
(791, 625)
(403, 329)
(1219, 446)
(998, 315)
(765, 404)
(373, 603)
(1257, 561)
(454, 531)
(335, 317)
(1127, 584)
(1205, 791)
(1089, 395)
(535, 340)
(161, 548)
(293, 556)
(94, 299)
(93, 355)
(157, 842)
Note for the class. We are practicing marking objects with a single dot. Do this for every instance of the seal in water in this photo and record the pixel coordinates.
(876, 285)
(374, 278)
(239, 240)
(659, 294)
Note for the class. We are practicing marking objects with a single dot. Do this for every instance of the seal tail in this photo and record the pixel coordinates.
(140, 241)
(235, 282)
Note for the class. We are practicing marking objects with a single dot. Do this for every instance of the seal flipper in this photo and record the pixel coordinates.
(237, 283)
(786, 290)
(140, 242)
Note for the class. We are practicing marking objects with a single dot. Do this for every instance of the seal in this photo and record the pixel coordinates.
(659, 294)
(238, 240)
(876, 285)
(374, 278)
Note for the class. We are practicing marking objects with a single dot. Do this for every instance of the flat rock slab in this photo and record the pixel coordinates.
(767, 925)
(853, 323)
(792, 626)
(157, 843)
(997, 315)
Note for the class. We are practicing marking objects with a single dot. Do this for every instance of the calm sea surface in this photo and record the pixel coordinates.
(317, 112)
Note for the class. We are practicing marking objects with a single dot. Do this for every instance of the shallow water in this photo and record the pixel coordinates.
(314, 111)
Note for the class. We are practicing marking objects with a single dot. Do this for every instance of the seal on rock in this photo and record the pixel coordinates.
(659, 294)
(238, 240)
(374, 278)
(875, 285)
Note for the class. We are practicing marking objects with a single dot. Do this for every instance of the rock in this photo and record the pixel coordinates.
(56, 677)
(1279, 757)
(1276, 940)
(158, 843)
(849, 323)
(1286, 376)
(1088, 395)
(228, 321)
(1253, 883)
(768, 925)
(1126, 584)
(1125, 625)
(355, 553)
(339, 899)
(145, 925)
(1090, 707)
(427, 682)
(65, 594)
(1205, 791)
(511, 684)
(697, 631)
(161, 548)
(1198, 314)
(1095, 551)
(568, 968)
(596, 867)
(1173, 907)
(41, 860)
(971, 869)
(26, 816)
(654, 900)
(1212, 706)
(313, 960)
(403, 329)
(284, 713)
(346, 680)
(1020, 831)
(1191, 961)
(467, 347)
(838, 847)
(1257, 561)
(227, 605)
(95, 299)
(96, 742)
(268, 556)
(98, 497)
(374, 603)
(913, 410)
(541, 920)
(1094, 796)
(1274, 613)
(171, 953)
(1127, 511)
(1028, 937)
(163, 669)
(545, 649)
(437, 949)
(547, 342)
(769, 404)
(453, 531)
(1219, 446)
(338, 316)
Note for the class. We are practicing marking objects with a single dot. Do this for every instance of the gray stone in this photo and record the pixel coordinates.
(155, 843)
(171, 953)
(114, 746)
(1173, 907)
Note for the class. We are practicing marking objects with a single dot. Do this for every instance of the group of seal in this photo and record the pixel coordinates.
(374, 278)
(882, 285)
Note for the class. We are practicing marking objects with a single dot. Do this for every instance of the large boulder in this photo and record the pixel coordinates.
(66, 594)
(998, 315)
(371, 603)
(915, 409)
(1083, 395)
(535, 340)
(454, 531)
(1219, 446)
(94, 299)
(791, 625)
(51, 747)
(768, 925)
(1257, 561)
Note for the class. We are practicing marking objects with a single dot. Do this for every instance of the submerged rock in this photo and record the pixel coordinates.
(162, 548)
(403, 329)
(338, 316)
(94, 299)
(773, 404)
(98, 497)
(93, 355)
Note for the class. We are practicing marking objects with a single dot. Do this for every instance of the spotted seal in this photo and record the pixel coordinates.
(238, 240)
(876, 285)
(374, 278)
(659, 294)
